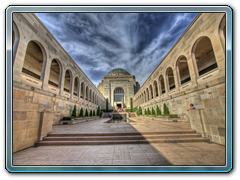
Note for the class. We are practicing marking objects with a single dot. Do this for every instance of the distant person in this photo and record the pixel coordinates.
(110, 115)
(191, 107)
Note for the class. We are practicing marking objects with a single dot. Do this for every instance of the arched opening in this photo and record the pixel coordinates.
(82, 88)
(222, 31)
(93, 98)
(54, 77)
(33, 61)
(155, 88)
(183, 70)
(145, 99)
(170, 77)
(162, 84)
(204, 55)
(151, 92)
(75, 86)
(67, 81)
(90, 96)
(118, 95)
(15, 40)
(86, 97)
(147, 94)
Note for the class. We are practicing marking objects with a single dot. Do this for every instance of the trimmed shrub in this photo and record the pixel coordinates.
(139, 110)
(158, 111)
(98, 111)
(107, 104)
(131, 104)
(91, 113)
(124, 106)
(153, 112)
(81, 112)
(165, 109)
(86, 112)
(145, 112)
(148, 111)
(74, 112)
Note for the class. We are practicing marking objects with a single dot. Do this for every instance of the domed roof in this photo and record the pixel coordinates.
(119, 70)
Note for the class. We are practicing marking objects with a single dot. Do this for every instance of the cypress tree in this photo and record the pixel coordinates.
(81, 112)
(145, 112)
(74, 112)
(107, 105)
(153, 112)
(140, 110)
(148, 111)
(98, 111)
(131, 103)
(86, 112)
(91, 113)
(165, 109)
(158, 110)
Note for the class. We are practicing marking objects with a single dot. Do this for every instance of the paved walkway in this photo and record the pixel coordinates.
(142, 154)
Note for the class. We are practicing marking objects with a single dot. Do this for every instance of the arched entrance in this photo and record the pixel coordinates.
(118, 97)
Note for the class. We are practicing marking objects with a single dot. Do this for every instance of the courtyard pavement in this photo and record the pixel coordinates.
(199, 153)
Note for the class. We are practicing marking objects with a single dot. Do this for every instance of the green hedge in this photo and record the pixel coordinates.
(78, 117)
(162, 116)
(109, 110)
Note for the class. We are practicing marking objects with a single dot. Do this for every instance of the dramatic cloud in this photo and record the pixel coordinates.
(100, 42)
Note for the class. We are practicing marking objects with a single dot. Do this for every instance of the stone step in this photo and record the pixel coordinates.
(122, 133)
(101, 138)
(63, 143)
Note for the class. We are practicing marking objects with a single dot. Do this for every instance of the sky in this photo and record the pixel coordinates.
(100, 42)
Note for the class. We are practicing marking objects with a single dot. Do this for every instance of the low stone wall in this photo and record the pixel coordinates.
(208, 126)
(77, 120)
(162, 119)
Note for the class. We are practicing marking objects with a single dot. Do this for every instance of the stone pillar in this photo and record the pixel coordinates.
(62, 82)
(166, 84)
(176, 81)
(46, 122)
(71, 89)
(46, 68)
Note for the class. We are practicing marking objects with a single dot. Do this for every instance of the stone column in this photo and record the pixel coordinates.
(71, 89)
(166, 84)
(176, 81)
(62, 82)
(46, 68)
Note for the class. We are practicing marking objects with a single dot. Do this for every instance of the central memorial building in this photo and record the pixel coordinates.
(119, 86)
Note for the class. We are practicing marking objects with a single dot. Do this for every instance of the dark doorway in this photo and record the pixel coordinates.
(119, 105)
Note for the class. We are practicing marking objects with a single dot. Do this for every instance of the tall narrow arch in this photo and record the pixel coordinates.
(76, 86)
(90, 95)
(151, 91)
(67, 81)
(34, 60)
(222, 31)
(55, 73)
(118, 95)
(82, 90)
(15, 40)
(86, 97)
(155, 87)
(170, 78)
(147, 94)
(204, 56)
(183, 70)
(161, 80)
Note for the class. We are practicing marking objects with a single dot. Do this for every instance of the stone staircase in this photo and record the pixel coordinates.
(121, 138)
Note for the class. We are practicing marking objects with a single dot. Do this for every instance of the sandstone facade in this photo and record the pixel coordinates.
(193, 71)
(46, 82)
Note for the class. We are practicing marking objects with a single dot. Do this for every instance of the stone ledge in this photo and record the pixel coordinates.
(163, 119)
(72, 121)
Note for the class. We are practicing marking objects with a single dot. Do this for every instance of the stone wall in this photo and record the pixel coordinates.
(206, 91)
(37, 105)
